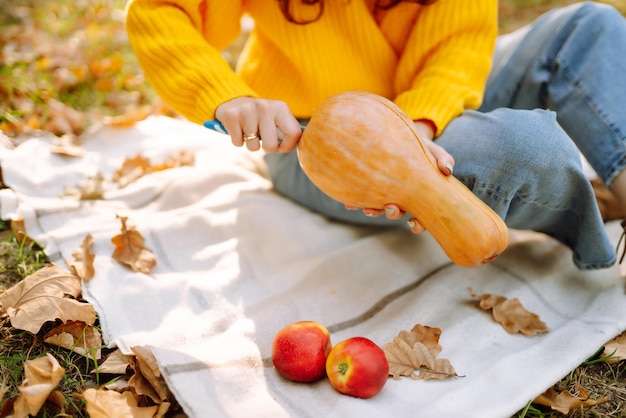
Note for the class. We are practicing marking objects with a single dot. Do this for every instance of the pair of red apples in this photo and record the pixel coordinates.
(302, 352)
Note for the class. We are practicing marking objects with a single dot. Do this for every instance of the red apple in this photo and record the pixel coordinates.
(357, 367)
(300, 349)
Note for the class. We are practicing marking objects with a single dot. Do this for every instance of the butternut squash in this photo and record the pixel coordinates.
(362, 150)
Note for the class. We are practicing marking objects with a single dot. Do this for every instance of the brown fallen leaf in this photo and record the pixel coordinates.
(510, 313)
(41, 377)
(130, 249)
(91, 188)
(147, 379)
(416, 351)
(18, 228)
(131, 170)
(82, 265)
(78, 337)
(129, 118)
(616, 348)
(139, 166)
(565, 401)
(46, 295)
(108, 403)
(115, 363)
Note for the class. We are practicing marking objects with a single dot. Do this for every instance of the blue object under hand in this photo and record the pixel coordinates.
(215, 125)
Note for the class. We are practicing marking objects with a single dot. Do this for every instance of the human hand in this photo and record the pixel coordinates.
(247, 119)
(445, 162)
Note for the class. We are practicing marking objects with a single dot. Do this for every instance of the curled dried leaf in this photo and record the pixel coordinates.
(565, 401)
(108, 403)
(510, 313)
(41, 377)
(115, 363)
(82, 265)
(91, 188)
(130, 249)
(76, 336)
(147, 379)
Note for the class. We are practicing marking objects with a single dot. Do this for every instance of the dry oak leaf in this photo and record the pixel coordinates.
(76, 336)
(565, 401)
(82, 265)
(416, 351)
(108, 403)
(510, 313)
(46, 295)
(41, 377)
(147, 379)
(130, 249)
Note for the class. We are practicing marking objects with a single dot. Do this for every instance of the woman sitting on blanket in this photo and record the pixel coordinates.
(480, 102)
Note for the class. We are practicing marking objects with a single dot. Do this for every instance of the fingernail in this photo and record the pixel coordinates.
(390, 211)
(411, 223)
(368, 214)
(449, 167)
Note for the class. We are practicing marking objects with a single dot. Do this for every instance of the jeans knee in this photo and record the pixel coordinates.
(598, 16)
(508, 152)
(511, 139)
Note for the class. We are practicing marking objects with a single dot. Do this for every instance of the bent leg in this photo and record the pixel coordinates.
(524, 166)
(571, 60)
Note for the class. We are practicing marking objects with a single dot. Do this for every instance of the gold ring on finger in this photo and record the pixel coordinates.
(250, 137)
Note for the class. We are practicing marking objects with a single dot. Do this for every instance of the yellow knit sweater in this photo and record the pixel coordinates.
(431, 60)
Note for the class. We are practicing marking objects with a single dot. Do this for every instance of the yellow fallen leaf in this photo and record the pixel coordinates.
(41, 377)
(46, 295)
(510, 313)
(565, 401)
(130, 249)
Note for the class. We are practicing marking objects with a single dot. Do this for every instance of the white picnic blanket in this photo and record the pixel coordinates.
(236, 262)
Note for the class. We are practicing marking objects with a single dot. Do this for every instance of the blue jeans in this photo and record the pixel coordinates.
(516, 156)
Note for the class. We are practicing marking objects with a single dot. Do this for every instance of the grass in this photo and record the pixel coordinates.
(76, 52)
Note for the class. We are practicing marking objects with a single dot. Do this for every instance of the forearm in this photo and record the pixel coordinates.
(187, 71)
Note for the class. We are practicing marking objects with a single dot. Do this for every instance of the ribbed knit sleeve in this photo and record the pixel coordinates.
(180, 53)
(432, 60)
(446, 60)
